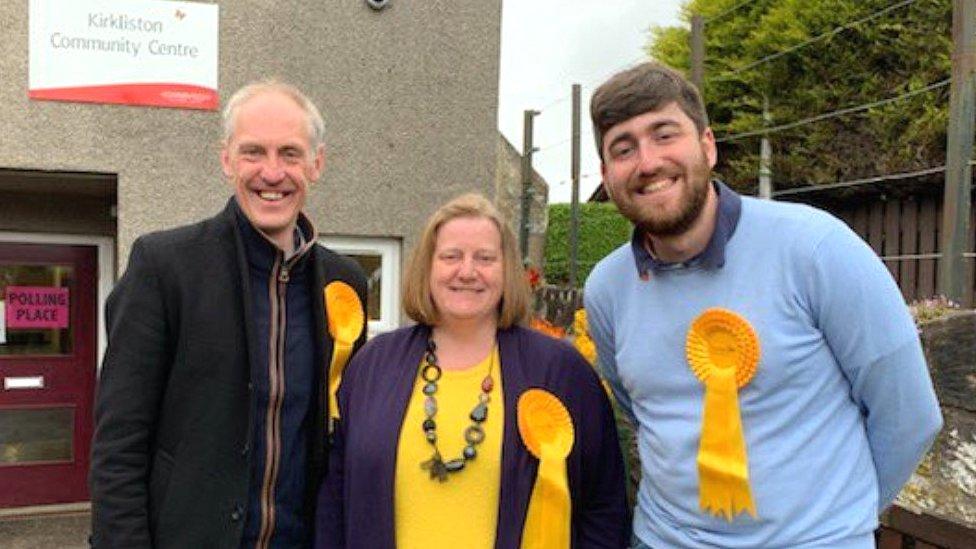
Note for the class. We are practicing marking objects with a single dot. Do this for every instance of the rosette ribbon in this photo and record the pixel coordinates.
(547, 431)
(723, 352)
(346, 321)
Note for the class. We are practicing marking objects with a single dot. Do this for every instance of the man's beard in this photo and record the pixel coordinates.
(689, 210)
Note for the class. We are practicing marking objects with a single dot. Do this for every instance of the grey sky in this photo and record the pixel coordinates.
(548, 45)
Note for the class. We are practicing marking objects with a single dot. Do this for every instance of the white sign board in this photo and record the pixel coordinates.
(130, 52)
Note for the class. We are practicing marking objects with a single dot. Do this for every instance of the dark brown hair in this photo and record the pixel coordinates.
(644, 88)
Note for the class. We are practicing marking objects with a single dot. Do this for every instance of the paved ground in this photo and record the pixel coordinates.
(65, 531)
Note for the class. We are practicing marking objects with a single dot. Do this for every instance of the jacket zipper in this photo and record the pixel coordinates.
(278, 285)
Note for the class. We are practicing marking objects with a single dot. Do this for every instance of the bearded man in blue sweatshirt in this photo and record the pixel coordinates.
(775, 377)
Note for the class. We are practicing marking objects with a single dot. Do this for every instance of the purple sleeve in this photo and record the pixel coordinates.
(602, 517)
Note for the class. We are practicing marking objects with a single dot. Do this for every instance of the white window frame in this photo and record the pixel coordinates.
(389, 251)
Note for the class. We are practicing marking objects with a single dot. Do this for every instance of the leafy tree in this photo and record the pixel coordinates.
(902, 50)
(602, 229)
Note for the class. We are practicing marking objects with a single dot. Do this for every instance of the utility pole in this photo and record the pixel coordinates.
(574, 213)
(765, 156)
(953, 282)
(527, 150)
(698, 52)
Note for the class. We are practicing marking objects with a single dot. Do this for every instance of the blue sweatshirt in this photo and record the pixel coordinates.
(841, 408)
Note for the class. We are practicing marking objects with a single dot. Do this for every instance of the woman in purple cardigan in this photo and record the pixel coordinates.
(468, 430)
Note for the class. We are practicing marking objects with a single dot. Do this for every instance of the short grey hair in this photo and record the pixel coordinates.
(316, 127)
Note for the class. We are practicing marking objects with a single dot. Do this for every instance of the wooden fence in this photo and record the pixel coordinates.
(557, 304)
(905, 232)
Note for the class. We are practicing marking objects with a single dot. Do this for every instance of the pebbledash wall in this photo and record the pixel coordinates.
(409, 96)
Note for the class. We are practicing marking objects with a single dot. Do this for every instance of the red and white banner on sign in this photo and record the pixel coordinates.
(132, 52)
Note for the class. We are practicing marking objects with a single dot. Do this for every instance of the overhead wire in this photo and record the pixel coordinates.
(770, 57)
(551, 145)
(593, 80)
(809, 120)
(729, 11)
(818, 38)
(833, 114)
(857, 182)
(590, 82)
(554, 102)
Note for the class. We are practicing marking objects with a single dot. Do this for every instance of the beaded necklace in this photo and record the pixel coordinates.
(473, 435)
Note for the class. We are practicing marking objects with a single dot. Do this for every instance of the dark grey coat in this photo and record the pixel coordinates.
(170, 455)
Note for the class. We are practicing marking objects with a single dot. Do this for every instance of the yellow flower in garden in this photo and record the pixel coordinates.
(581, 337)
(579, 322)
(585, 346)
(546, 327)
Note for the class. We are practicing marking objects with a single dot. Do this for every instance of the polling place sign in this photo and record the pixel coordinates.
(31, 307)
(130, 52)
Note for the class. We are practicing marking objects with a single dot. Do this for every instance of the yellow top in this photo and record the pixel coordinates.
(463, 511)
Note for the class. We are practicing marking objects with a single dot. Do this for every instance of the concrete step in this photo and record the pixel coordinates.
(45, 531)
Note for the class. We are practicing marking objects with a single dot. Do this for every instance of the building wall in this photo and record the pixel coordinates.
(409, 97)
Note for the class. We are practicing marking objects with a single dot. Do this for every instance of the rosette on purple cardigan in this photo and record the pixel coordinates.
(547, 431)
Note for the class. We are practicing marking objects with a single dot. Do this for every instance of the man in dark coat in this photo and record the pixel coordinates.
(211, 411)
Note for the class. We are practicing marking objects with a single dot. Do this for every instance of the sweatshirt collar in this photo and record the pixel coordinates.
(713, 256)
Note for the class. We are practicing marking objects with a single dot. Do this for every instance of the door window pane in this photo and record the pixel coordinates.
(33, 435)
(35, 305)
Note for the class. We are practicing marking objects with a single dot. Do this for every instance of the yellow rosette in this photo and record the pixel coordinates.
(346, 320)
(723, 352)
(547, 431)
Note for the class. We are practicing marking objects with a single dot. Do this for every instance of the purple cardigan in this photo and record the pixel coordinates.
(355, 506)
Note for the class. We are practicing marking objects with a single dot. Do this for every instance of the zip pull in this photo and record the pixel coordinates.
(283, 274)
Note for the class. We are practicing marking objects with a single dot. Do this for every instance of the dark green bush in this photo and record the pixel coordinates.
(602, 230)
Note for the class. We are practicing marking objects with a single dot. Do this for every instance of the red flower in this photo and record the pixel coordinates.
(533, 276)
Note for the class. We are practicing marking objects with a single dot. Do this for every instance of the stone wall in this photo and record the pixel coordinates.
(945, 483)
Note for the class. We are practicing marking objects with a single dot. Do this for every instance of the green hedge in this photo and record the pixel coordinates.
(602, 230)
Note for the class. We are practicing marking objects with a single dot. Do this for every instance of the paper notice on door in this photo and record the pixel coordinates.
(3, 324)
(33, 307)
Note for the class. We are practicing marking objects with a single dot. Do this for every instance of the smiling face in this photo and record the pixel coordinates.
(656, 169)
(466, 271)
(271, 163)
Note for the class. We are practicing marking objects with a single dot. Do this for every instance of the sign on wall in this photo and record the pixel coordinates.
(130, 52)
(36, 307)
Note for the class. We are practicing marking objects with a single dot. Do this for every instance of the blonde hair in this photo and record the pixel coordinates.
(316, 127)
(417, 302)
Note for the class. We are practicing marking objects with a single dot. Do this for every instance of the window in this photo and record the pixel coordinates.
(380, 259)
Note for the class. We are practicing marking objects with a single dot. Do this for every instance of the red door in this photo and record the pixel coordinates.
(48, 327)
